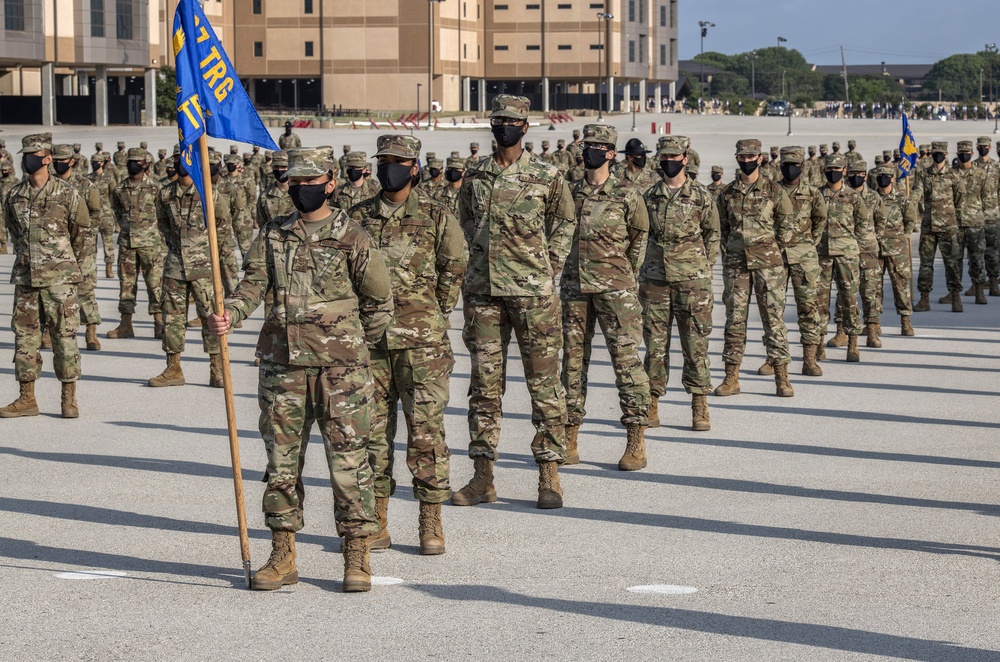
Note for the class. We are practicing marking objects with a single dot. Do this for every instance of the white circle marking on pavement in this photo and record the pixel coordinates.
(92, 574)
(386, 581)
(662, 589)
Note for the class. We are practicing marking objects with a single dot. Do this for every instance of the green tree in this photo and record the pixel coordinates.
(958, 76)
(872, 89)
(166, 94)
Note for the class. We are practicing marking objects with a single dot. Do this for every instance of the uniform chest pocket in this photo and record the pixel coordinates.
(413, 236)
(328, 259)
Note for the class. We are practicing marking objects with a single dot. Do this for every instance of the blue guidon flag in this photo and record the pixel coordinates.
(907, 151)
(210, 97)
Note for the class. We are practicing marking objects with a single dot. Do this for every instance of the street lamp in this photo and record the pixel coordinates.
(781, 40)
(753, 74)
(600, 52)
(991, 50)
(704, 25)
(430, 61)
(417, 123)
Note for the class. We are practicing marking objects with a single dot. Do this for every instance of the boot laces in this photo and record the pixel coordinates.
(354, 553)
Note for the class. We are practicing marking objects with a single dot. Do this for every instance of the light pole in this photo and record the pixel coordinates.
(781, 40)
(430, 62)
(991, 51)
(704, 25)
(753, 74)
(417, 123)
(600, 53)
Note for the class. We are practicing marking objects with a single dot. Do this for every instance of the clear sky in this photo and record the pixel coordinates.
(893, 31)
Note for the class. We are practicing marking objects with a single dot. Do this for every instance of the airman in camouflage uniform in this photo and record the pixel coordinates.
(869, 264)
(141, 245)
(257, 159)
(46, 219)
(517, 216)
(79, 161)
(755, 217)
(992, 216)
(812, 169)
(924, 161)
(715, 188)
(358, 188)
(561, 158)
(230, 205)
(979, 196)
(233, 188)
(474, 156)
(120, 158)
(289, 140)
(104, 225)
(247, 178)
(576, 171)
(901, 217)
(274, 201)
(5, 156)
(676, 281)
(7, 182)
(635, 169)
(412, 363)
(160, 167)
(940, 193)
(435, 176)
(839, 253)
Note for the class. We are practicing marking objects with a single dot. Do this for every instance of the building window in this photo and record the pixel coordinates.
(499, 7)
(96, 18)
(479, 52)
(532, 6)
(631, 51)
(258, 49)
(309, 6)
(631, 11)
(13, 15)
(498, 47)
(673, 13)
(309, 49)
(565, 47)
(465, 51)
(257, 7)
(663, 16)
(673, 51)
(533, 47)
(597, 47)
(464, 10)
(124, 22)
(597, 5)
(663, 55)
(564, 6)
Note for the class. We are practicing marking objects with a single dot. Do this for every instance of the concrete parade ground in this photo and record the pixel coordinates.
(855, 521)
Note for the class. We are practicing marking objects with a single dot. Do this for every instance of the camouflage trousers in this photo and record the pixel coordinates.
(620, 317)
(869, 287)
(229, 266)
(992, 255)
(804, 277)
(973, 242)
(898, 268)
(130, 261)
(769, 287)
(339, 400)
(58, 309)
(244, 232)
(105, 225)
(950, 244)
(419, 378)
(86, 291)
(537, 324)
(175, 306)
(845, 271)
(690, 303)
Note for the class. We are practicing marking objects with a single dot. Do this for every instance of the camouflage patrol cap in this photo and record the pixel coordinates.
(279, 160)
(857, 165)
(793, 154)
(895, 153)
(822, 147)
(177, 149)
(812, 149)
(309, 162)
(717, 169)
(879, 160)
(886, 169)
(964, 146)
(347, 149)
(99, 146)
(671, 146)
(435, 163)
(576, 133)
(105, 157)
(77, 147)
(775, 149)
(121, 144)
(984, 140)
(924, 148)
(834, 161)
(144, 144)
(7, 166)
(835, 144)
(748, 147)
(851, 144)
(136, 154)
(561, 142)
(691, 168)
(886, 154)
(35, 142)
(162, 152)
(454, 154)
(473, 145)
(233, 158)
(214, 158)
(601, 134)
(405, 147)
(233, 149)
(509, 105)
(356, 160)
(62, 152)
(545, 143)
(455, 163)
(939, 146)
(528, 145)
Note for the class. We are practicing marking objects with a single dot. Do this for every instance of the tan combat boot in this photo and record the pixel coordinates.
(809, 365)
(782, 386)
(948, 298)
(905, 328)
(821, 350)
(108, 270)
(549, 490)
(700, 420)
(280, 568)
(194, 323)
(838, 340)
(69, 406)
(853, 353)
(924, 304)
(872, 332)
(158, 326)
(971, 291)
(731, 384)
(24, 405)
(46, 339)
(766, 368)
(430, 529)
(215, 379)
(956, 304)
(994, 287)
(124, 328)
(480, 489)
(572, 451)
(357, 566)
(3, 248)
(653, 413)
(980, 295)
(383, 540)
(634, 457)
(93, 344)
(172, 376)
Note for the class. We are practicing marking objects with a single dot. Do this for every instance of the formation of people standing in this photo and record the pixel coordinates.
(359, 274)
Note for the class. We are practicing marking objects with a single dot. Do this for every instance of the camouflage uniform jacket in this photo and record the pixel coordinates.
(643, 180)
(230, 191)
(6, 184)
(181, 220)
(120, 159)
(868, 232)
(272, 203)
(808, 223)
(89, 194)
(901, 217)
(941, 196)
(575, 173)
(160, 169)
(134, 205)
(105, 184)
(519, 224)
(754, 219)
(612, 226)
(991, 211)
(715, 188)
(845, 210)
(249, 184)
(45, 228)
(423, 247)
(562, 159)
(977, 197)
(683, 233)
(331, 292)
(448, 196)
(291, 141)
(347, 196)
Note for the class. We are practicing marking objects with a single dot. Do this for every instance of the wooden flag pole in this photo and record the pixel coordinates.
(909, 245)
(227, 381)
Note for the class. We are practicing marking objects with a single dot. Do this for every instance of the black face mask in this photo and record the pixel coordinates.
(394, 176)
(95, 166)
(639, 161)
(280, 175)
(231, 167)
(134, 168)
(307, 197)
(453, 175)
(171, 172)
(181, 169)
(61, 167)
(716, 176)
(938, 157)
(474, 151)
(823, 154)
(508, 135)
(791, 171)
(434, 172)
(288, 130)
(812, 155)
(215, 169)
(883, 181)
(748, 167)
(594, 158)
(983, 150)
(856, 181)
(774, 157)
(671, 168)
(964, 157)
(833, 176)
(31, 163)
(354, 174)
